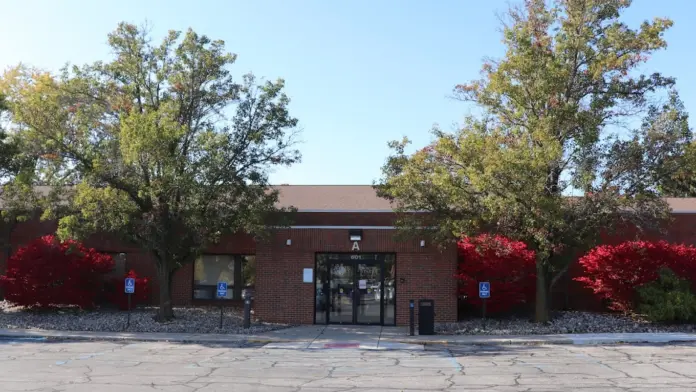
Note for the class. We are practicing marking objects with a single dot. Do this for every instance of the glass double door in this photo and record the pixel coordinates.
(355, 292)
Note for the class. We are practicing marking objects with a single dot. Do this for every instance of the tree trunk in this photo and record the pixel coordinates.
(542, 295)
(165, 311)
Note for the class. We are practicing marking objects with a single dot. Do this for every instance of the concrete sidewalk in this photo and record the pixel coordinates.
(318, 336)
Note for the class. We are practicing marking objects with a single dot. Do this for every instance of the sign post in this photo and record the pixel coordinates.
(221, 293)
(129, 289)
(484, 294)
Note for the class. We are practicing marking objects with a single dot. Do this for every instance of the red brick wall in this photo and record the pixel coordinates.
(140, 261)
(427, 276)
(22, 234)
(343, 219)
(281, 296)
(573, 295)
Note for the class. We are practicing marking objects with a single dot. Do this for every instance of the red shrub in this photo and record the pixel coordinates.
(116, 295)
(508, 265)
(49, 272)
(614, 271)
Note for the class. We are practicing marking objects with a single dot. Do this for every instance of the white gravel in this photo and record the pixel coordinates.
(207, 320)
(187, 320)
(564, 322)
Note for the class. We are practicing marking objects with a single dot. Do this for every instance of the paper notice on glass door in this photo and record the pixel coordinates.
(362, 284)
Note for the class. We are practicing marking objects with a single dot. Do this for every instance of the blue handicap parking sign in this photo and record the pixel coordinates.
(484, 289)
(222, 289)
(130, 285)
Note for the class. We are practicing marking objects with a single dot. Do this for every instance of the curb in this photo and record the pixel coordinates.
(533, 342)
(47, 336)
(111, 339)
(492, 342)
(42, 335)
(577, 339)
(546, 342)
(561, 339)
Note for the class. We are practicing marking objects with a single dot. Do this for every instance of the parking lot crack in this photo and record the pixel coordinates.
(164, 367)
(198, 388)
(672, 371)
(450, 382)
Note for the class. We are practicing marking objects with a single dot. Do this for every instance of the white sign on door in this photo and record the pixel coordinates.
(307, 275)
(362, 284)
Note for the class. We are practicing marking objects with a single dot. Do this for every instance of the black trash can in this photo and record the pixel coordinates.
(426, 317)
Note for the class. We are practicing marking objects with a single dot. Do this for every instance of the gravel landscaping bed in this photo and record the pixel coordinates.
(188, 320)
(564, 322)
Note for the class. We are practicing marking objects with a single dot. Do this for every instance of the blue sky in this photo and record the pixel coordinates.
(359, 72)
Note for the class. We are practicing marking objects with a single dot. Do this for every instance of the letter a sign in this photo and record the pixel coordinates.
(356, 247)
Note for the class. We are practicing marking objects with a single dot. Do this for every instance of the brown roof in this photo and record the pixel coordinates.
(332, 198)
(686, 204)
(364, 198)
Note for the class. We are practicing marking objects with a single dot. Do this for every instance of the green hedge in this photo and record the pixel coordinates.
(668, 299)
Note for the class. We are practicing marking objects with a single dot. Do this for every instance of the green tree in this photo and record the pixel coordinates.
(681, 182)
(159, 145)
(8, 147)
(669, 125)
(19, 199)
(5, 161)
(543, 135)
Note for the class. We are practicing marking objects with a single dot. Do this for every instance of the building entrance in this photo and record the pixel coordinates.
(355, 289)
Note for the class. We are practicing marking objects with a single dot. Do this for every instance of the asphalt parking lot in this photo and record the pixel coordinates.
(134, 367)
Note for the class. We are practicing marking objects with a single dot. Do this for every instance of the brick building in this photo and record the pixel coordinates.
(339, 262)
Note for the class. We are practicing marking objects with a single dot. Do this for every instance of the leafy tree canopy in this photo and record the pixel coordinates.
(159, 144)
(569, 73)
(676, 174)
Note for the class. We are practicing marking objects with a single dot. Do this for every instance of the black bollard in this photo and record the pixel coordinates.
(412, 317)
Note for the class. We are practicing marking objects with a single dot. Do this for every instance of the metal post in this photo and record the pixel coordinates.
(412, 317)
(221, 294)
(129, 311)
(484, 313)
(247, 310)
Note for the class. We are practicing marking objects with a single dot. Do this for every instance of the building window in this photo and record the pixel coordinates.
(238, 271)
(248, 271)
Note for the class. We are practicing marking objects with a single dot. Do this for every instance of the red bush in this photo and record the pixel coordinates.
(116, 295)
(614, 271)
(48, 272)
(508, 265)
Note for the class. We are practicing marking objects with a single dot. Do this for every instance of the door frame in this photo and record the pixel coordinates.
(356, 291)
(333, 257)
